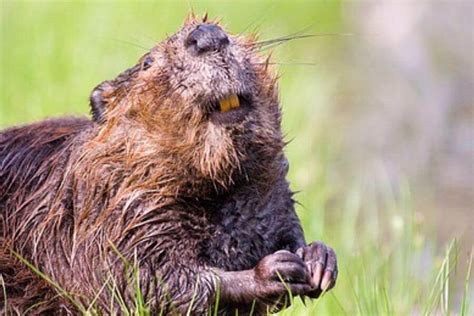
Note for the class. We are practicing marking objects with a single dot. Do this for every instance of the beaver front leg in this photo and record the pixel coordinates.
(307, 273)
(263, 284)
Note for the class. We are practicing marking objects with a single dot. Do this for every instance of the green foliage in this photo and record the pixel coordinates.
(54, 53)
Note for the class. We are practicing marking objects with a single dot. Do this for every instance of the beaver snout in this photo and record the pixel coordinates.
(206, 38)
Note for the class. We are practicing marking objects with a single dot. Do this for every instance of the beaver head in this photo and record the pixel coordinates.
(203, 100)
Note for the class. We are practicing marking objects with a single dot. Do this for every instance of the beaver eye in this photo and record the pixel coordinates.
(147, 63)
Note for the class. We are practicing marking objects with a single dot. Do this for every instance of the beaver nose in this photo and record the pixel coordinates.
(206, 38)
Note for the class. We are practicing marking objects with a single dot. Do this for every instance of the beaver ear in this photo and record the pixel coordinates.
(98, 101)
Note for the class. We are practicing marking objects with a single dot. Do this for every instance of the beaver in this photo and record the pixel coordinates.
(173, 195)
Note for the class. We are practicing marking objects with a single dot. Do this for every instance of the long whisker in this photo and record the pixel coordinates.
(136, 45)
(298, 33)
(260, 18)
(287, 38)
(280, 40)
(289, 63)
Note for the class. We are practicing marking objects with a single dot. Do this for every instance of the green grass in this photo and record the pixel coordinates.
(54, 53)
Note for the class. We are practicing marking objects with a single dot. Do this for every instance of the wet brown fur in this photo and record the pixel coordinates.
(148, 179)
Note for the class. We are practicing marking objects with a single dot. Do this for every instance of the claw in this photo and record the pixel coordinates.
(300, 252)
(317, 274)
(326, 282)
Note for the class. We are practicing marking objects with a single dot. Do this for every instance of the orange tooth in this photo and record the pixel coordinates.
(225, 105)
(234, 101)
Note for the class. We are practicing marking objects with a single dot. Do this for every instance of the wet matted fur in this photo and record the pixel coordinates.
(197, 199)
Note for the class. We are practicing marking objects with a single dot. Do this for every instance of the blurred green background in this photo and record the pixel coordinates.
(378, 107)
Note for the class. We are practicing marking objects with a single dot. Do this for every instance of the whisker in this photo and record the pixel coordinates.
(297, 33)
(136, 45)
(260, 19)
(152, 40)
(282, 38)
(263, 44)
(287, 38)
(289, 63)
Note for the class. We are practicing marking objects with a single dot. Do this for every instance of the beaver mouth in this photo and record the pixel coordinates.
(230, 109)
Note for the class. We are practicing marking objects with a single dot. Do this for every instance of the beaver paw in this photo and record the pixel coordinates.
(321, 263)
(279, 273)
